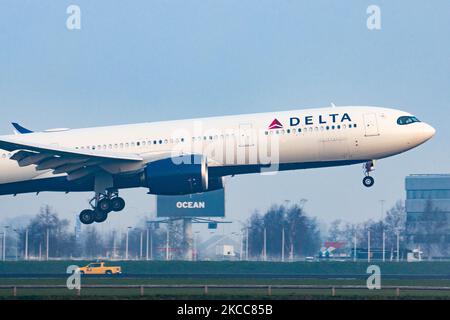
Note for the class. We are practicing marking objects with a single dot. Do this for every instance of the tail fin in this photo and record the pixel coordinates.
(19, 129)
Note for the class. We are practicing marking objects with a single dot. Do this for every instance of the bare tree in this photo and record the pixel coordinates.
(93, 243)
(302, 236)
(61, 242)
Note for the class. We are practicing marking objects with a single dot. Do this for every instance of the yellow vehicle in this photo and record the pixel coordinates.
(100, 268)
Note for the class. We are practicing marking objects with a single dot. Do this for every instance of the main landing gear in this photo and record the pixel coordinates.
(102, 205)
(368, 167)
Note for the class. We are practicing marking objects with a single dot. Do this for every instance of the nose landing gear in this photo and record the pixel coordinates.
(368, 167)
(368, 181)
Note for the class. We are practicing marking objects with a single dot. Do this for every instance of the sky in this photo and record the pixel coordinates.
(153, 60)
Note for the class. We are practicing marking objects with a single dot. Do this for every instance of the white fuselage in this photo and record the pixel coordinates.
(315, 137)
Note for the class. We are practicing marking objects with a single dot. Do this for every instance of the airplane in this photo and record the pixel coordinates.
(194, 155)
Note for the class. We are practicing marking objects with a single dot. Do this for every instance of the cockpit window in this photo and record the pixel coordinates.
(407, 120)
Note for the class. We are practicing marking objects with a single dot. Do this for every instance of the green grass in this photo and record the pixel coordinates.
(230, 267)
(212, 270)
(219, 293)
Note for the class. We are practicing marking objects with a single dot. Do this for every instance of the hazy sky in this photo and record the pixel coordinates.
(141, 61)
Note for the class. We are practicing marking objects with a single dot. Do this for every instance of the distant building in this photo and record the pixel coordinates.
(334, 249)
(219, 247)
(428, 213)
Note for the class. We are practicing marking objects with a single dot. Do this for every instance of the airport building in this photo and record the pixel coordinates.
(428, 214)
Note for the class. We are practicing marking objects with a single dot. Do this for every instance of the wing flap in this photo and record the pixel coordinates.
(69, 168)
(21, 154)
(81, 173)
(33, 159)
(56, 162)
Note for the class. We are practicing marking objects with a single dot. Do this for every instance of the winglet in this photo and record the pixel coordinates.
(19, 129)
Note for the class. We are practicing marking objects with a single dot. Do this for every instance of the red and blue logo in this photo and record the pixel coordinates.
(275, 125)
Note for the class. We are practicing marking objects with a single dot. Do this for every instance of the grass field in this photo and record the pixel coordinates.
(233, 267)
(216, 293)
(211, 272)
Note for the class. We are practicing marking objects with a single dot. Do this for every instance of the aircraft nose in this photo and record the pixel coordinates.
(428, 132)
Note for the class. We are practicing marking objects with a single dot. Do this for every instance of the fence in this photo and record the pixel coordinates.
(205, 288)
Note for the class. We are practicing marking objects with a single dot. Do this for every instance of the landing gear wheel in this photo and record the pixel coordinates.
(104, 205)
(87, 216)
(368, 181)
(117, 204)
(100, 216)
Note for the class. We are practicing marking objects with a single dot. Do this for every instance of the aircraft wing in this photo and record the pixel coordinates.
(76, 163)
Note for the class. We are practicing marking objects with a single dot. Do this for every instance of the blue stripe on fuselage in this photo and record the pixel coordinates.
(61, 184)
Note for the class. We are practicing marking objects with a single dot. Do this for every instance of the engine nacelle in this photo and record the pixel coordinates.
(215, 183)
(179, 175)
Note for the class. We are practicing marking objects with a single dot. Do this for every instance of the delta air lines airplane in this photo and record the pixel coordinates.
(193, 156)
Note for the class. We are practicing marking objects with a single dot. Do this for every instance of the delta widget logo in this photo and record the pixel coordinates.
(275, 125)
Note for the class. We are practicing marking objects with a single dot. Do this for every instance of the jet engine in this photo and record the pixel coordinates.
(179, 175)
